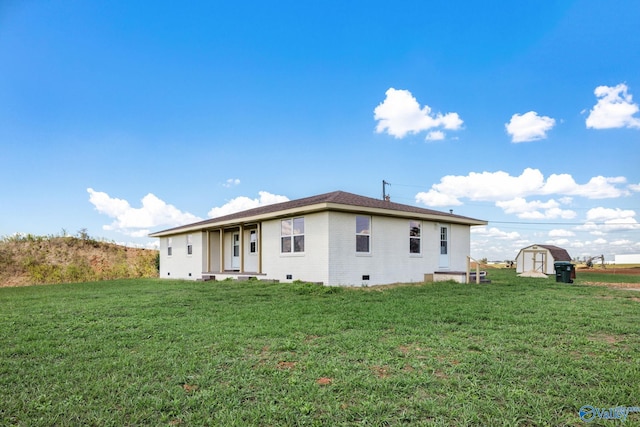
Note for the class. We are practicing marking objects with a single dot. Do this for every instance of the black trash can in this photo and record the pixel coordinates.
(564, 271)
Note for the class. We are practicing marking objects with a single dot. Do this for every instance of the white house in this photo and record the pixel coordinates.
(540, 259)
(336, 239)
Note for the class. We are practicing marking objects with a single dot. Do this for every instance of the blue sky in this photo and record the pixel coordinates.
(124, 118)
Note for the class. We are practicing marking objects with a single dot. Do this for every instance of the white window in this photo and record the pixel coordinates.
(444, 246)
(253, 242)
(292, 235)
(169, 246)
(363, 234)
(414, 237)
(189, 244)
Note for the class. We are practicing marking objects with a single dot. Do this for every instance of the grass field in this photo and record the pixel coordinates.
(156, 352)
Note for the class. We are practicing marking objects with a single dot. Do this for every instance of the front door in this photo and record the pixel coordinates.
(444, 247)
(235, 254)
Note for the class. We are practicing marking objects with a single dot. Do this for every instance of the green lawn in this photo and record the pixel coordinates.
(156, 352)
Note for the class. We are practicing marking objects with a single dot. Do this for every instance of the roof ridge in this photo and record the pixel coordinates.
(337, 197)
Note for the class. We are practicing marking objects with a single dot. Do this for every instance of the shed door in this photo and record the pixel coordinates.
(444, 247)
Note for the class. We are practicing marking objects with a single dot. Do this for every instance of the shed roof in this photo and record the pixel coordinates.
(336, 200)
(558, 254)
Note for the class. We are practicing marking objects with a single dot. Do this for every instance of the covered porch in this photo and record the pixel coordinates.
(233, 252)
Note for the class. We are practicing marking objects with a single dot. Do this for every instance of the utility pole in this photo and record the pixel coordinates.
(384, 190)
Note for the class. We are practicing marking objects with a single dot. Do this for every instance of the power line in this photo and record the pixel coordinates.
(564, 223)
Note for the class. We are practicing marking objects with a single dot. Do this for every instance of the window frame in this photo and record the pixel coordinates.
(189, 244)
(360, 234)
(413, 238)
(444, 242)
(253, 241)
(294, 236)
(169, 246)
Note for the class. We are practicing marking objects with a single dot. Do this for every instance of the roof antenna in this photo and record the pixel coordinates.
(385, 196)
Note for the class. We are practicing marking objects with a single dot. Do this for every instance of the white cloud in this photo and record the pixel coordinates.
(484, 186)
(621, 242)
(436, 135)
(535, 209)
(231, 182)
(561, 233)
(604, 220)
(495, 233)
(500, 186)
(608, 214)
(137, 222)
(529, 127)
(437, 198)
(400, 114)
(614, 109)
(243, 203)
(598, 187)
(558, 242)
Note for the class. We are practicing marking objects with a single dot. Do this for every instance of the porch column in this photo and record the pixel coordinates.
(259, 234)
(241, 248)
(208, 251)
(221, 250)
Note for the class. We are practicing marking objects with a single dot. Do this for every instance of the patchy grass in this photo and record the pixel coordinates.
(29, 259)
(518, 351)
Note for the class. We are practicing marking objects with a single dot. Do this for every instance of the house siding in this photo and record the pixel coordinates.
(250, 259)
(308, 266)
(389, 260)
(460, 246)
(180, 264)
(329, 255)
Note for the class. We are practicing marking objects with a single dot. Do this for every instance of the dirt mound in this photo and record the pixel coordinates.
(28, 259)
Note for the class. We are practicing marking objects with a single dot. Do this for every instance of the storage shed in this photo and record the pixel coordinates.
(540, 259)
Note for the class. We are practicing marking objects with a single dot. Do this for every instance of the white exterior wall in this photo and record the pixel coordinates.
(389, 260)
(459, 246)
(310, 266)
(250, 259)
(180, 265)
(628, 259)
(330, 252)
(214, 251)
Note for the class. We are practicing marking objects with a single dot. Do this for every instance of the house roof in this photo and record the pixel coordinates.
(558, 254)
(336, 201)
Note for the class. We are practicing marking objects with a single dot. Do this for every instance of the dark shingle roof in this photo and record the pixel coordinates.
(557, 253)
(336, 197)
